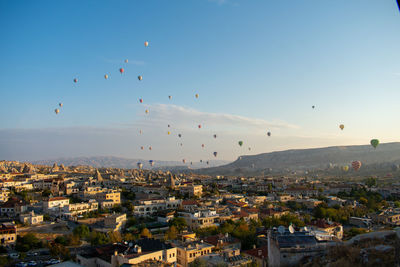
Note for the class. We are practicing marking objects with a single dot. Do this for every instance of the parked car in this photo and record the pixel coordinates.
(14, 255)
(21, 264)
(31, 254)
(32, 263)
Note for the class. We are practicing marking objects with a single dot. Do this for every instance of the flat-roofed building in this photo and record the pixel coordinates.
(115, 221)
(143, 251)
(55, 204)
(187, 252)
(149, 207)
(31, 218)
(200, 219)
(8, 234)
(191, 190)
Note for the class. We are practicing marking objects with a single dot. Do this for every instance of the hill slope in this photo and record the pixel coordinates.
(117, 162)
(311, 159)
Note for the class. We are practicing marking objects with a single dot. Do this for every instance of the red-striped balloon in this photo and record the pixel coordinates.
(356, 165)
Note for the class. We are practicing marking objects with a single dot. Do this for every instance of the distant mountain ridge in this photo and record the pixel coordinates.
(308, 159)
(119, 162)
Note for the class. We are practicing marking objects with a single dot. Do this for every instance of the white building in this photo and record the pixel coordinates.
(31, 218)
(149, 207)
(55, 204)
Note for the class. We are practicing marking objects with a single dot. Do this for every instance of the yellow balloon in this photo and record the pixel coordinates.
(197, 95)
(169, 133)
(106, 76)
(147, 111)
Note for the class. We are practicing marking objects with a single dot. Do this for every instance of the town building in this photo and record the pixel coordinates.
(55, 204)
(149, 207)
(8, 234)
(31, 218)
(200, 218)
(187, 252)
(145, 250)
(115, 222)
(258, 255)
(191, 190)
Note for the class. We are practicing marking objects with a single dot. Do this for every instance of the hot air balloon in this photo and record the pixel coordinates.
(201, 161)
(169, 126)
(249, 148)
(57, 111)
(142, 147)
(140, 100)
(60, 104)
(147, 111)
(106, 76)
(356, 165)
(208, 162)
(269, 133)
(179, 135)
(191, 163)
(374, 143)
(199, 126)
(240, 143)
(140, 165)
(150, 148)
(151, 162)
(202, 145)
(170, 97)
(215, 136)
(313, 107)
(196, 95)
(140, 131)
(168, 132)
(146, 44)
(140, 77)
(346, 168)
(184, 160)
(121, 70)
(215, 154)
(181, 144)
(341, 126)
(126, 61)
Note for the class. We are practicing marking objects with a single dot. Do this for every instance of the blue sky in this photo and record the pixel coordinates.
(257, 66)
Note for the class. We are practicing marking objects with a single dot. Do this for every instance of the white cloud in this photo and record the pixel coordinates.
(189, 118)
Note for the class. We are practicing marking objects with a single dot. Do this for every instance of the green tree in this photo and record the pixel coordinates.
(172, 233)
(363, 200)
(145, 233)
(82, 231)
(198, 263)
(115, 237)
(59, 250)
(179, 223)
(61, 240)
(97, 238)
(370, 182)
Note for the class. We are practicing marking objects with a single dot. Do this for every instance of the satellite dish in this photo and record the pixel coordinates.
(281, 229)
(291, 229)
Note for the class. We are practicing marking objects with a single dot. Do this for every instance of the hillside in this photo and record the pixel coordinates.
(385, 156)
(117, 162)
